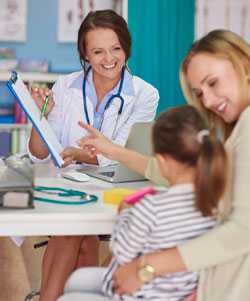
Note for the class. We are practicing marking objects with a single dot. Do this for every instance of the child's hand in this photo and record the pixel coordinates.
(123, 205)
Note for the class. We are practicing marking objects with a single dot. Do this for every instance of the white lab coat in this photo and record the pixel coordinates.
(68, 110)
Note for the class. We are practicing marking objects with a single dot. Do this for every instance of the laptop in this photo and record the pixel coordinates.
(139, 140)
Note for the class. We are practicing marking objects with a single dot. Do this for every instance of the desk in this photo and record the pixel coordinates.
(52, 219)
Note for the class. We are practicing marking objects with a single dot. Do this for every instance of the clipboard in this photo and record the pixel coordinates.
(43, 128)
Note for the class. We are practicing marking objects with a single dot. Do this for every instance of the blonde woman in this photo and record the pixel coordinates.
(215, 77)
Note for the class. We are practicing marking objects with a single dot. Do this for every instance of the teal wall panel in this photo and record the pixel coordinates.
(162, 32)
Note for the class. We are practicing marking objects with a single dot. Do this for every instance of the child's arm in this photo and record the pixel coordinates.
(135, 197)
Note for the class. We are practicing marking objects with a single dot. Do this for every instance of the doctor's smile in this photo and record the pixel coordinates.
(105, 54)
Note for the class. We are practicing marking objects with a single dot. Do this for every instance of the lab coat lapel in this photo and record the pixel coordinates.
(78, 105)
(111, 122)
(90, 108)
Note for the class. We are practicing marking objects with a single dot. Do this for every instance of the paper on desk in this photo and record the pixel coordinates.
(20, 91)
(18, 240)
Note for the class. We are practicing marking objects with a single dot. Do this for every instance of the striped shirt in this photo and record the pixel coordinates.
(160, 221)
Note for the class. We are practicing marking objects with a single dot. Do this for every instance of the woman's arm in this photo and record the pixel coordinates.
(143, 109)
(229, 240)
(96, 143)
(126, 280)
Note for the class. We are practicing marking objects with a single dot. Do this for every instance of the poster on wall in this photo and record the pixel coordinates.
(223, 14)
(13, 20)
(71, 13)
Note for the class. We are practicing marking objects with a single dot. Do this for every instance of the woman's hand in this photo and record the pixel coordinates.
(125, 278)
(39, 95)
(96, 143)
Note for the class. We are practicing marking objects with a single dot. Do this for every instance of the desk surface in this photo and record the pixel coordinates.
(52, 219)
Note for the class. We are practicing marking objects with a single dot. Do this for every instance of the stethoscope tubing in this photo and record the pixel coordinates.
(85, 198)
(118, 95)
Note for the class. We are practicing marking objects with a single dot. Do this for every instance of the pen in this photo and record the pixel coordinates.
(44, 106)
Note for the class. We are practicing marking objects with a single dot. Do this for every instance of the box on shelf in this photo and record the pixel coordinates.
(8, 59)
(33, 65)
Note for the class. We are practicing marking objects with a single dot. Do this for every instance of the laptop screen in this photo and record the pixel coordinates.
(139, 140)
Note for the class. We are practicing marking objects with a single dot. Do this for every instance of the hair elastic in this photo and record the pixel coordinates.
(201, 134)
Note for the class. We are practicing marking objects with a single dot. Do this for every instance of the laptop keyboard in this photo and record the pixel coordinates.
(109, 174)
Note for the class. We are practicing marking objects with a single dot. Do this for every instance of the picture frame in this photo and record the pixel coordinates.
(71, 13)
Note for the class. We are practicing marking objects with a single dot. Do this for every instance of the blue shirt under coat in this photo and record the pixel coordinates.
(127, 88)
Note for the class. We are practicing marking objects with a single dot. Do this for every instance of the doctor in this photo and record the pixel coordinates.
(105, 95)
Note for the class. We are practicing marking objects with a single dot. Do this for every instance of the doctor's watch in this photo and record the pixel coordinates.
(146, 272)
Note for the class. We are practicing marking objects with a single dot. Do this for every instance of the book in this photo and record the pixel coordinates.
(5, 144)
(14, 141)
(6, 101)
(19, 115)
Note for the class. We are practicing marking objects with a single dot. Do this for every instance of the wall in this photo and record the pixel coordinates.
(42, 38)
(162, 30)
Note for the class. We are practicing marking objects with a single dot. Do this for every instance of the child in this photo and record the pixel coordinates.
(194, 163)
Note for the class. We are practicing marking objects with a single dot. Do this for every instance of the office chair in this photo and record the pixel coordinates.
(31, 295)
(36, 292)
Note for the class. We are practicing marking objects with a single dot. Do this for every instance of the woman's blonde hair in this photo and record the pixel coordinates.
(227, 45)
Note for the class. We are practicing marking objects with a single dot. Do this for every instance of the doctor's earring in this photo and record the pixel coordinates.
(127, 67)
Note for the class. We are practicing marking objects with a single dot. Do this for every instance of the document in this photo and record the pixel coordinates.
(21, 93)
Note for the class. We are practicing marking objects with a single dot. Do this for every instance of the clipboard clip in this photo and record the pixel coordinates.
(13, 76)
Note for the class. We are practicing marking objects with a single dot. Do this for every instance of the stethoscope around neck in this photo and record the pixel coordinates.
(117, 95)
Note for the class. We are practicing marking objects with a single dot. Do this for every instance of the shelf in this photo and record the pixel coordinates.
(13, 126)
(31, 76)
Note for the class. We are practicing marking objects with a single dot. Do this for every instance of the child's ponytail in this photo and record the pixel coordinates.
(182, 133)
(211, 173)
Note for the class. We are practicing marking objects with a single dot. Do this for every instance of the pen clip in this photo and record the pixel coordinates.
(13, 76)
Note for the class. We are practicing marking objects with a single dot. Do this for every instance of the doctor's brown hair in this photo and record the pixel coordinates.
(176, 133)
(103, 19)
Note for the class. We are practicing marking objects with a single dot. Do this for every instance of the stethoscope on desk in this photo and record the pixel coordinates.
(117, 95)
(83, 197)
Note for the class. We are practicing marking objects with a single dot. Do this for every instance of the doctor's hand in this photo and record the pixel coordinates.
(39, 95)
(96, 143)
(71, 155)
